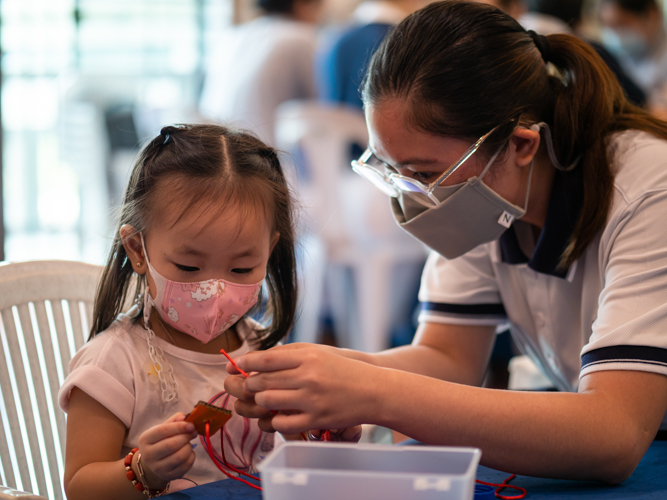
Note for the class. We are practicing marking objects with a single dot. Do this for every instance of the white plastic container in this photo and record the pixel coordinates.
(335, 471)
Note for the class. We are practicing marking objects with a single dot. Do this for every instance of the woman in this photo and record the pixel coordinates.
(579, 176)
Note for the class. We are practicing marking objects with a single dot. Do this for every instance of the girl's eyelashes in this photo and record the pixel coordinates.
(187, 269)
(242, 270)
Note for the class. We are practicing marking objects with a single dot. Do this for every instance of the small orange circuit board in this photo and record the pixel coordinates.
(204, 412)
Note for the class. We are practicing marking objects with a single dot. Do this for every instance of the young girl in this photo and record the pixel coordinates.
(207, 218)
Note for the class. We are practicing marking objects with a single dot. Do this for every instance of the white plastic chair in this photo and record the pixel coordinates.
(352, 221)
(45, 307)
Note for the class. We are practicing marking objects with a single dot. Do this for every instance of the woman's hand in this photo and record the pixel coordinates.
(166, 452)
(311, 387)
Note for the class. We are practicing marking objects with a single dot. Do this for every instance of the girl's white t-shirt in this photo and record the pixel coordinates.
(115, 369)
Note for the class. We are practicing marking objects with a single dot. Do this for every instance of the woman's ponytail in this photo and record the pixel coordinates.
(587, 97)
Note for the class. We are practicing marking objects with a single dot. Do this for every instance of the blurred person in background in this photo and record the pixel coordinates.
(634, 31)
(549, 17)
(568, 13)
(341, 65)
(344, 56)
(260, 64)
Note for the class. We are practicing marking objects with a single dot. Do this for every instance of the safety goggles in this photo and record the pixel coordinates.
(392, 184)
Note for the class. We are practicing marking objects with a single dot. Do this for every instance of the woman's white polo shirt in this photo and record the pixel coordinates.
(608, 311)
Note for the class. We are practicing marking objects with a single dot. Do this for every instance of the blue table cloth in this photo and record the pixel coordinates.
(648, 482)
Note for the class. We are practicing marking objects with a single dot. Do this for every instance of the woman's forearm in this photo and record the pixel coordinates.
(454, 353)
(563, 435)
(425, 360)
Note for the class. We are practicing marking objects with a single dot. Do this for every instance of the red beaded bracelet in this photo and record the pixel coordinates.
(135, 482)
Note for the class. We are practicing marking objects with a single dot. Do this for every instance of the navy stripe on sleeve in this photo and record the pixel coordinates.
(625, 354)
(494, 310)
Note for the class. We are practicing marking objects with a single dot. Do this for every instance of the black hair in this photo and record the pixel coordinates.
(276, 6)
(216, 166)
(635, 6)
(568, 11)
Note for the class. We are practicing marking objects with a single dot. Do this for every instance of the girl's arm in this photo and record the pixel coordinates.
(601, 433)
(94, 442)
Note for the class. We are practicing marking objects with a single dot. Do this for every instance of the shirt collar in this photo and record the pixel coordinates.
(567, 194)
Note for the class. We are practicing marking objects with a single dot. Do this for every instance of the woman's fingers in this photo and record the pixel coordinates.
(351, 434)
(251, 410)
(234, 385)
(266, 423)
(284, 380)
(278, 400)
(291, 423)
(271, 360)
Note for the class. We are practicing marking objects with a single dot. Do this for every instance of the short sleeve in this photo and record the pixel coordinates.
(104, 370)
(461, 291)
(630, 332)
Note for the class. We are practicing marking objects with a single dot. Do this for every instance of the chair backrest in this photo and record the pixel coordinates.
(45, 308)
(320, 136)
(343, 208)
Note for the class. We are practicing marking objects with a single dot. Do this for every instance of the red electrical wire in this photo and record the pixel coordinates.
(209, 449)
(503, 485)
(305, 438)
(326, 436)
(233, 363)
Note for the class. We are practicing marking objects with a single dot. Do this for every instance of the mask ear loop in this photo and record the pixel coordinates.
(488, 165)
(530, 179)
(550, 149)
(168, 384)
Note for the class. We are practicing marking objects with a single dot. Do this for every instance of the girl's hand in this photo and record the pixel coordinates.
(166, 452)
(311, 388)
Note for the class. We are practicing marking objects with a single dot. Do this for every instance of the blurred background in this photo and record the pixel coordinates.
(85, 82)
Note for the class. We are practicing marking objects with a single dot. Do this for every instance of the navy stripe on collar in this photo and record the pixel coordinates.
(565, 203)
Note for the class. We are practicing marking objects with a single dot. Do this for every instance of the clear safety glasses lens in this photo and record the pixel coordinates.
(414, 189)
(376, 177)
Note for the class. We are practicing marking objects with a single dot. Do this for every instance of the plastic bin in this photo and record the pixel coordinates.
(335, 471)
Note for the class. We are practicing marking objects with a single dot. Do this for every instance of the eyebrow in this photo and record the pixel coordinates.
(187, 250)
(250, 252)
(409, 161)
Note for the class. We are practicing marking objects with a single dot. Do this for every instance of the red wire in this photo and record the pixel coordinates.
(326, 436)
(305, 438)
(209, 447)
(233, 363)
(503, 485)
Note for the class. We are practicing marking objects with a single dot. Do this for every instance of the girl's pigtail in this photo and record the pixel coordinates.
(113, 288)
(281, 276)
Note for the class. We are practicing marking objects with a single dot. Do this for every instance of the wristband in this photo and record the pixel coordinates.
(139, 483)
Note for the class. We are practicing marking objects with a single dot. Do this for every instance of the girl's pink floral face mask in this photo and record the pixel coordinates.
(202, 309)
